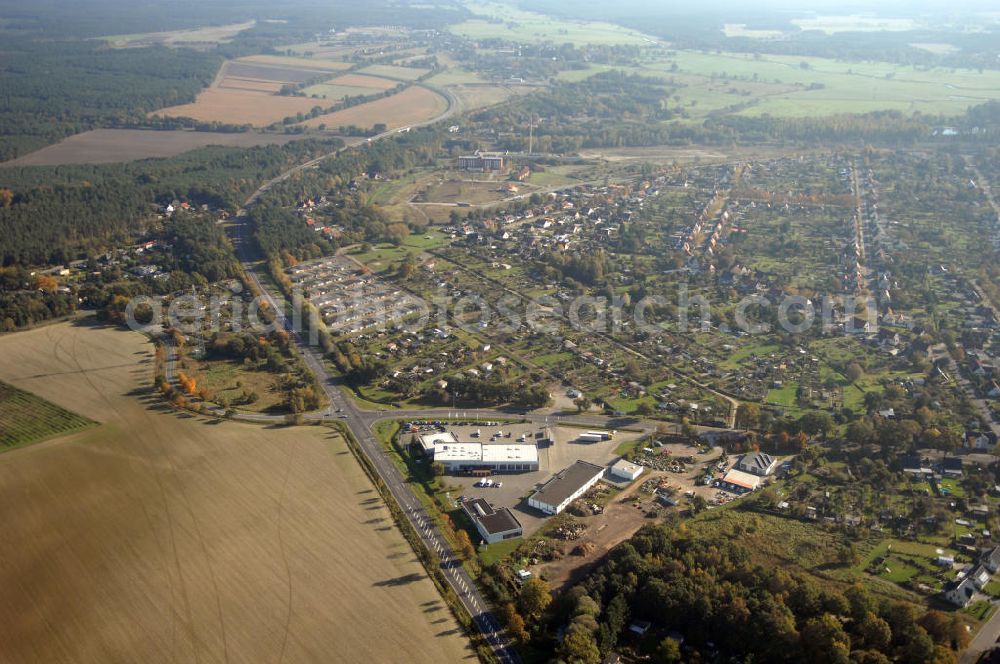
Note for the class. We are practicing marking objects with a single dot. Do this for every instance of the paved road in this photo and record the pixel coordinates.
(360, 423)
(985, 639)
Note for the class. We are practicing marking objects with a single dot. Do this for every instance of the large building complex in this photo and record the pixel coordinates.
(482, 162)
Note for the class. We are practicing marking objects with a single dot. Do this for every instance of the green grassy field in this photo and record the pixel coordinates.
(26, 419)
(493, 553)
(806, 86)
(502, 21)
(456, 76)
(227, 381)
(785, 396)
(393, 71)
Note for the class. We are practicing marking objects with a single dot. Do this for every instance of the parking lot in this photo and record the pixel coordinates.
(563, 451)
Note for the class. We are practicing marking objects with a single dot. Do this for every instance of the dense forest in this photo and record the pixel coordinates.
(50, 90)
(57, 214)
(716, 599)
(99, 18)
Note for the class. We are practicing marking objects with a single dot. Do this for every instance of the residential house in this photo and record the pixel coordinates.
(980, 576)
(960, 593)
(991, 559)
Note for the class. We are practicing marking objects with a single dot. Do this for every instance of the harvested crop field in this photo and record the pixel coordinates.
(482, 96)
(362, 81)
(239, 107)
(271, 72)
(287, 61)
(250, 84)
(112, 146)
(165, 537)
(350, 85)
(413, 105)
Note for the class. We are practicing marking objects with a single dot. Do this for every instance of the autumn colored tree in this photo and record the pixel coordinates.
(45, 282)
(188, 384)
(514, 622)
(465, 547)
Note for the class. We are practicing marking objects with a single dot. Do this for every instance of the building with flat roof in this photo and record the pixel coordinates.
(495, 457)
(565, 487)
(625, 470)
(427, 441)
(494, 525)
(482, 162)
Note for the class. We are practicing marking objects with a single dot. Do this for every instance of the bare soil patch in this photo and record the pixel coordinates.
(111, 146)
(239, 107)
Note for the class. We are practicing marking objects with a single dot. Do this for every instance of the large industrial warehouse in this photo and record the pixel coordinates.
(567, 485)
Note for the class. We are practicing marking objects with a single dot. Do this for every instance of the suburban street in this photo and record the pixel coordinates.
(985, 639)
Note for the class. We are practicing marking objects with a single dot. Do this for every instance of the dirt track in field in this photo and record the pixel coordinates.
(159, 537)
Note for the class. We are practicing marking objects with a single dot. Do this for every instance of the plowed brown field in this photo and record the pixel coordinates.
(162, 537)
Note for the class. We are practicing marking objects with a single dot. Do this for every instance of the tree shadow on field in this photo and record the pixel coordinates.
(448, 632)
(400, 580)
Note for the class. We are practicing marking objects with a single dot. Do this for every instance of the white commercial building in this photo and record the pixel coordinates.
(498, 457)
(567, 485)
(429, 440)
